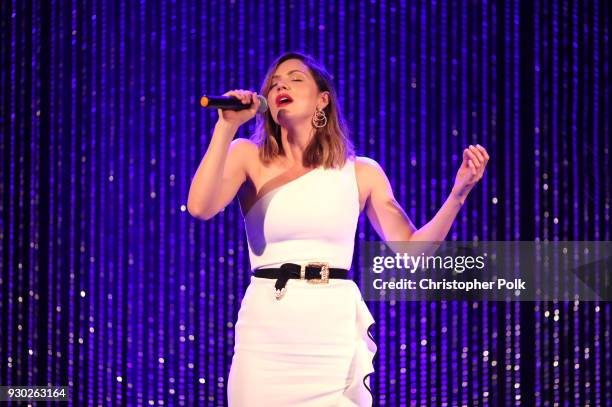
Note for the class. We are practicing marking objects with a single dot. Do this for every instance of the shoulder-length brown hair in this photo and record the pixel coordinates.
(330, 146)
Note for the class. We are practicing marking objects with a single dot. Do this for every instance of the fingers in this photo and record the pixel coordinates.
(477, 154)
(245, 96)
(470, 155)
(472, 166)
(483, 151)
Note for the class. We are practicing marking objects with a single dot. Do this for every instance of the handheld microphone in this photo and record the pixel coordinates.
(231, 103)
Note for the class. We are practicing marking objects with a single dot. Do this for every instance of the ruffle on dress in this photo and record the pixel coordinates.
(362, 366)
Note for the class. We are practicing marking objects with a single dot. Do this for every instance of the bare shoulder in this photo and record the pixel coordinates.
(245, 152)
(368, 169)
(366, 164)
(370, 175)
(243, 146)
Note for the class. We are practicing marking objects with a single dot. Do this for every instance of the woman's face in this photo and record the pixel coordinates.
(293, 79)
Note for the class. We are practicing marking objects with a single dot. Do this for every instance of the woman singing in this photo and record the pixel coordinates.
(302, 331)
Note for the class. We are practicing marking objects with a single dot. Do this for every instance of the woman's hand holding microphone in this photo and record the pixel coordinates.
(236, 118)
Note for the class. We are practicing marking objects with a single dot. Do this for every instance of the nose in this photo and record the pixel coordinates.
(279, 84)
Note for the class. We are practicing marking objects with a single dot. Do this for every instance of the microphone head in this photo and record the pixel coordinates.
(263, 104)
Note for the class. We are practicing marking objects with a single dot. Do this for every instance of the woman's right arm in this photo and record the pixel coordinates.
(220, 173)
(223, 168)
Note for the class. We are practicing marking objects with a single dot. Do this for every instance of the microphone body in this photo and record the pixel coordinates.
(231, 103)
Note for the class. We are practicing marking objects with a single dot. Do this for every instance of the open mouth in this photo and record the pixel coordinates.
(283, 100)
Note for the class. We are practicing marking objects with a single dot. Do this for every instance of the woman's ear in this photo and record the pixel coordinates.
(324, 100)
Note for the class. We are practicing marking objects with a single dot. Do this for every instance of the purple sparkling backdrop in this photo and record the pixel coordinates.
(109, 286)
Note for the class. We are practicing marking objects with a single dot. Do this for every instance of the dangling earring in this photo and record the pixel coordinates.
(319, 119)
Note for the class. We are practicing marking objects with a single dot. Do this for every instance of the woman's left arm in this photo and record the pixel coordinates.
(391, 222)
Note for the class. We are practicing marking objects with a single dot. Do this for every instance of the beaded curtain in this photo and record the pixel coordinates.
(109, 286)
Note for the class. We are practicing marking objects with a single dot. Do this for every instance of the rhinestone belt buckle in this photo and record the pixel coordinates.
(324, 273)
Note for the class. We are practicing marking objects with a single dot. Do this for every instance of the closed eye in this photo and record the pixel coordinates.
(295, 80)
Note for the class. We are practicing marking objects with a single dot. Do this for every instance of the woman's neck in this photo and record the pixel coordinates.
(295, 139)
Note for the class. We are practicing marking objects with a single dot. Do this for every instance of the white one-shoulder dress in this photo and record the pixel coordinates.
(313, 347)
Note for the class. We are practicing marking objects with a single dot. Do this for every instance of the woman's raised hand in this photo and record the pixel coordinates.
(475, 159)
(238, 117)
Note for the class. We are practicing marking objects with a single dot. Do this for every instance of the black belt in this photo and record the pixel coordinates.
(314, 273)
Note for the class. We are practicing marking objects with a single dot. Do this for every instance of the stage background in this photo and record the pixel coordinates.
(109, 286)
